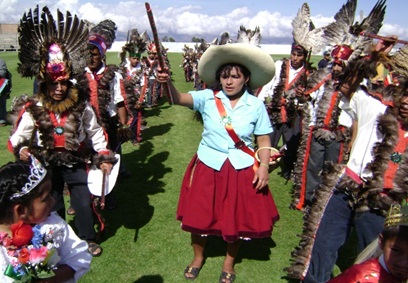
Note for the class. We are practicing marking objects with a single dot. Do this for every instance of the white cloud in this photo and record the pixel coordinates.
(191, 20)
(391, 29)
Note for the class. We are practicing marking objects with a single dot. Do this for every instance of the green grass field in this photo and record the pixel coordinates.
(143, 241)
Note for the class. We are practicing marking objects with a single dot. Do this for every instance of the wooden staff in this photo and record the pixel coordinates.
(104, 185)
(385, 38)
(158, 46)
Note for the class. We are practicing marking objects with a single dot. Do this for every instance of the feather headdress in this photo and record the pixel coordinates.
(200, 48)
(345, 32)
(51, 48)
(102, 35)
(224, 39)
(249, 36)
(304, 32)
(135, 45)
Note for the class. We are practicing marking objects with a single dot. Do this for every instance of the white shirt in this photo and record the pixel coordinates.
(364, 109)
(115, 90)
(267, 90)
(88, 127)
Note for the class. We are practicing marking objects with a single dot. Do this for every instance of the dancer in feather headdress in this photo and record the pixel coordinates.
(107, 93)
(133, 70)
(330, 131)
(340, 202)
(359, 193)
(284, 94)
(187, 64)
(325, 131)
(199, 49)
(155, 90)
(54, 124)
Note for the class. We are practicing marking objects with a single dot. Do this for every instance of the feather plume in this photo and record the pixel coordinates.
(145, 37)
(225, 38)
(200, 48)
(343, 31)
(30, 40)
(304, 32)
(373, 22)
(248, 36)
(214, 41)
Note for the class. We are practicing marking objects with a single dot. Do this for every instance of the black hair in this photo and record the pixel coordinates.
(13, 177)
(390, 232)
(226, 69)
(299, 48)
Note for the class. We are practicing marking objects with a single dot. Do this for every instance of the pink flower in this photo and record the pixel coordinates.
(5, 240)
(38, 255)
(56, 71)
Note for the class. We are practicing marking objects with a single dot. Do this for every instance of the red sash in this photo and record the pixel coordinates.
(238, 142)
(59, 137)
(93, 95)
(393, 165)
(288, 85)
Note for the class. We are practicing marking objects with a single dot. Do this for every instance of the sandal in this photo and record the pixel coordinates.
(94, 249)
(227, 277)
(193, 271)
(71, 211)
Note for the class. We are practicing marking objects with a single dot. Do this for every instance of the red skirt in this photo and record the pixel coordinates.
(224, 203)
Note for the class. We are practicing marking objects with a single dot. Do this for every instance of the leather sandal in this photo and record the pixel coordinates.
(195, 271)
(227, 277)
(94, 249)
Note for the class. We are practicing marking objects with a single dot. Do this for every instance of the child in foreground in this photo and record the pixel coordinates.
(35, 244)
(392, 265)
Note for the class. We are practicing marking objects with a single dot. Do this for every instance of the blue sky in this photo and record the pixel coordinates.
(183, 19)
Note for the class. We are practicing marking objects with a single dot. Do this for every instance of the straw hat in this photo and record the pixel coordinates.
(258, 62)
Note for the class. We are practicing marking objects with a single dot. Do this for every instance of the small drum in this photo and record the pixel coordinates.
(95, 179)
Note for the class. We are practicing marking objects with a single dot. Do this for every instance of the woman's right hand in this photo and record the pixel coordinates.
(162, 75)
(25, 154)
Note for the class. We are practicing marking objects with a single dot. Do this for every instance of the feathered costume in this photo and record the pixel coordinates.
(58, 125)
(135, 81)
(199, 49)
(343, 35)
(386, 185)
(105, 84)
(40, 34)
(285, 104)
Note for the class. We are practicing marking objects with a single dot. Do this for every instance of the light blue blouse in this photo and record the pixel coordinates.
(248, 117)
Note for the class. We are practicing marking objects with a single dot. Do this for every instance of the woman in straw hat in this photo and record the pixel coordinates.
(225, 190)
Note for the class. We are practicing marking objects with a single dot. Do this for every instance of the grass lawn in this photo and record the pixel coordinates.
(143, 241)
